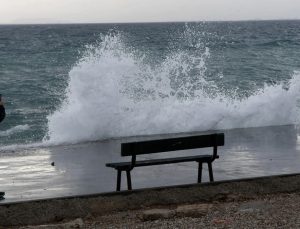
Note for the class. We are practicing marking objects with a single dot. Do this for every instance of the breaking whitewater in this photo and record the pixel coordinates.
(117, 89)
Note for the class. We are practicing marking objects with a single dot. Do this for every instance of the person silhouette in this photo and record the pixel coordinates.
(2, 110)
(2, 116)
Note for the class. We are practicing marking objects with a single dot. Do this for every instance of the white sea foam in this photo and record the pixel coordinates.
(14, 130)
(113, 92)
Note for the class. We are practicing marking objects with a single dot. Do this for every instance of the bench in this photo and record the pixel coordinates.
(134, 149)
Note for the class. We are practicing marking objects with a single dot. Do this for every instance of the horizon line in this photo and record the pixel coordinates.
(146, 22)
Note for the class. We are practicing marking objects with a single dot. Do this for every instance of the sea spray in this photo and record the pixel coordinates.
(192, 76)
(113, 92)
(14, 130)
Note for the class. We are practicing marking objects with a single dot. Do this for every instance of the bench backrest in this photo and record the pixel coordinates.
(172, 144)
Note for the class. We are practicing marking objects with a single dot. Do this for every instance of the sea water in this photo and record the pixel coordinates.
(65, 84)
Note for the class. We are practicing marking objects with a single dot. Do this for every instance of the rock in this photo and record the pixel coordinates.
(155, 214)
(220, 221)
(233, 197)
(193, 210)
(222, 196)
(254, 206)
(77, 223)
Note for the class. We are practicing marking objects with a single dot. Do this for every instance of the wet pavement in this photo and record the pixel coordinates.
(37, 173)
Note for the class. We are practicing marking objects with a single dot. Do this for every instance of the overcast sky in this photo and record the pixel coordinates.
(94, 11)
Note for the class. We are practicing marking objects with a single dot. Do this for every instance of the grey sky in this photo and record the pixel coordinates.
(83, 11)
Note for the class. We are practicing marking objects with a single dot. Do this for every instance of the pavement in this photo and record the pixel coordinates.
(68, 170)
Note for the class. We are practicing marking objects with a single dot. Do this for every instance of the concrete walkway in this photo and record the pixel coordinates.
(80, 169)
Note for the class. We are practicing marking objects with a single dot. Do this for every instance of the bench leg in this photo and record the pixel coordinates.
(211, 176)
(119, 180)
(128, 180)
(199, 172)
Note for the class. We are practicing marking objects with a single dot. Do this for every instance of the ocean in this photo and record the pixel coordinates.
(66, 84)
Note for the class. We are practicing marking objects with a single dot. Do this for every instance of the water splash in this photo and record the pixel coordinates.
(14, 130)
(113, 92)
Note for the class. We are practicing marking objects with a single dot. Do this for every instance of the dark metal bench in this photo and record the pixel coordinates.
(165, 145)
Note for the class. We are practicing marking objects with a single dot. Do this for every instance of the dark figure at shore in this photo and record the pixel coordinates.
(2, 116)
(2, 110)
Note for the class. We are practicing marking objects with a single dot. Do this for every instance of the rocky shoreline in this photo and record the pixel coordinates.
(267, 211)
(266, 202)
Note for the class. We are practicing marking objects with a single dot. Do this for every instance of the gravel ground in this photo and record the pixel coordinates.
(269, 211)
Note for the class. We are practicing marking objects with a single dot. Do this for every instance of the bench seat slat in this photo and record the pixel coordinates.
(172, 144)
(120, 165)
